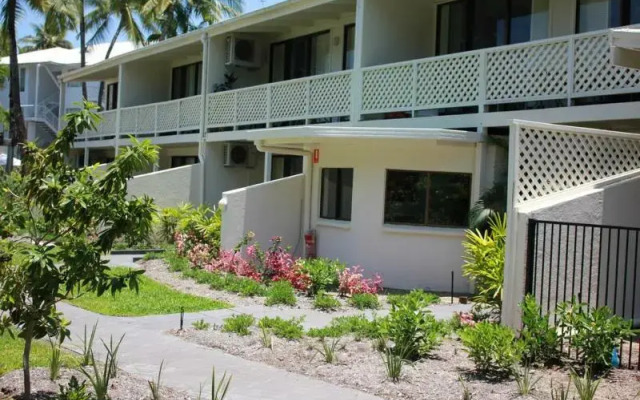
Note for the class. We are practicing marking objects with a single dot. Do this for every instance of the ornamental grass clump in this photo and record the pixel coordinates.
(290, 329)
(281, 293)
(365, 301)
(357, 325)
(325, 302)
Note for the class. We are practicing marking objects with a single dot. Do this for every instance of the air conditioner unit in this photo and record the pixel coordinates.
(242, 52)
(239, 155)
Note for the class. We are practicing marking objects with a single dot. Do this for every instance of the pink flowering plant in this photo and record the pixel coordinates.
(352, 281)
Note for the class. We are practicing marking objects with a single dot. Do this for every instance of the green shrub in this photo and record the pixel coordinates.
(540, 339)
(176, 262)
(168, 219)
(323, 273)
(484, 261)
(492, 347)
(283, 328)
(243, 286)
(418, 294)
(586, 385)
(152, 256)
(73, 391)
(364, 301)
(281, 293)
(593, 332)
(358, 325)
(238, 324)
(325, 302)
(412, 328)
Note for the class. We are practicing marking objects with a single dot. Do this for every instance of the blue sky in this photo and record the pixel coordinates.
(25, 23)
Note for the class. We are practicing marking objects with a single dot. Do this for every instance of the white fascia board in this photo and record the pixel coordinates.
(628, 38)
(576, 129)
(242, 21)
(304, 134)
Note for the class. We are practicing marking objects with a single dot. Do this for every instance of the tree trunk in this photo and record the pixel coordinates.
(28, 337)
(17, 130)
(83, 47)
(113, 42)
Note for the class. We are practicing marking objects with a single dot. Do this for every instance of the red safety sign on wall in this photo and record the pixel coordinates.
(316, 156)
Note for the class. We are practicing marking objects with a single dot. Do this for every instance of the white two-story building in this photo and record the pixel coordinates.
(364, 121)
(40, 86)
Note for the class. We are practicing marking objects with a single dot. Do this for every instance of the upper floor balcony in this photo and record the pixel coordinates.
(346, 61)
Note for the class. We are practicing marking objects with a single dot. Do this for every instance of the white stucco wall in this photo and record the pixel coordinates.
(407, 257)
(612, 201)
(170, 187)
(267, 209)
(144, 82)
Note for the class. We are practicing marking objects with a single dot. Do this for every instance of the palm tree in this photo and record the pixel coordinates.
(11, 9)
(100, 19)
(46, 36)
(169, 18)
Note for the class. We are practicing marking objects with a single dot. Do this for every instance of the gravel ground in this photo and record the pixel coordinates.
(359, 366)
(158, 270)
(124, 387)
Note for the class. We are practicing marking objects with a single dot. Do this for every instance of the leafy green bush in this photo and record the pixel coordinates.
(412, 328)
(593, 332)
(325, 302)
(358, 325)
(492, 347)
(323, 273)
(176, 262)
(73, 391)
(484, 261)
(283, 328)
(364, 301)
(419, 294)
(201, 325)
(281, 292)
(238, 324)
(168, 219)
(539, 338)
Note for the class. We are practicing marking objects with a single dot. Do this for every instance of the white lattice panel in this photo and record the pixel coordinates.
(146, 119)
(108, 124)
(594, 74)
(128, 120)
(252, 105)
(289, 100)
(448, 81)
(551, 159)
(190, 112)
(221, 109)
(330, 95)
(167, 116)
(528, 72)
(388, 88)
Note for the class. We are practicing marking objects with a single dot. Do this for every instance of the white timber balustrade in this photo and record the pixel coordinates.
(563, 69)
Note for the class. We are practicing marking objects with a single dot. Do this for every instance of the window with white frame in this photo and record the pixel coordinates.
(336, 193)
(439, 199)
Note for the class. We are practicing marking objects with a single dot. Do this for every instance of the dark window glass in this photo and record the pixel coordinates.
(186, 81)
(427, 198)
(284, 166)
(349, 46)
(336, 192)
(477, 24)
(596, 15)
(112, 96)
(300, 57)
(23, 79)
(179, 161)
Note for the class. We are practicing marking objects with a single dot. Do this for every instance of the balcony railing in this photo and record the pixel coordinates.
(563, 68)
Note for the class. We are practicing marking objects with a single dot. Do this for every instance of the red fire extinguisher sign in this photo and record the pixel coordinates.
(316, 156)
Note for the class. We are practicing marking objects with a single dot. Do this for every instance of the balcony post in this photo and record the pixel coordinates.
(35, 101)
(482, 83)
(356, 77)
(61, 105)
(118, 109)
(571, 53)
(202, 144)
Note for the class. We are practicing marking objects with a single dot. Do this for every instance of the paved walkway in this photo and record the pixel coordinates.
(188, 365)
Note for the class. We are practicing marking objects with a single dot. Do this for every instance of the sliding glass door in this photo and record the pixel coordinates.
(477, 24)
(300, 57)
(595, 15)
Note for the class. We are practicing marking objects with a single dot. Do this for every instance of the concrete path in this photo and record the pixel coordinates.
(187, 365)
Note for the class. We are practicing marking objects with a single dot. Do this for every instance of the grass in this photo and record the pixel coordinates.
(290, 329)
(11, 354)
(359, 326)
(154, 298)
(364, 301)
(238, 324)
(281, 293)
(325, 302)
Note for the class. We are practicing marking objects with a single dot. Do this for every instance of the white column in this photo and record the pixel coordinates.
(35, 101)
(268, 161)
(356, 79)
(62, 100)
(118, 108)
(86, 155)
(202, 144)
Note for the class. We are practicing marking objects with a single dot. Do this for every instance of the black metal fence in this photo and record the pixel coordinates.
(597, 264)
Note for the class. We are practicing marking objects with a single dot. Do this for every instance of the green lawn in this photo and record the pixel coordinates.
(11, 354)
(153, 299)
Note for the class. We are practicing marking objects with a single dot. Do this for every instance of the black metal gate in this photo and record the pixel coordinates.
(598, 264)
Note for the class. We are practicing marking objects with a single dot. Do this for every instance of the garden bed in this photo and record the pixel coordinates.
(361, 367)
(124, 387)
(159, 271)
